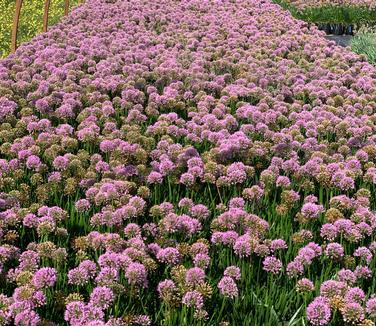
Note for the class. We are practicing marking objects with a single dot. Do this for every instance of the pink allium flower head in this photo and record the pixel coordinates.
(233, 271)
(168, 255)
(371, 307)
(194, 276)
(102, 297)
(334, 251)
(44, 277)
(227, 287)
(201, 260)
(136, 274)
(193, 299)
(166, 288)
(304, 285)
(27, 317)
(272, 265)
(318, 311)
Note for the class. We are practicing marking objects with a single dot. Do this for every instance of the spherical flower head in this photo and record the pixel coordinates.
(166, 289)
(199, 248)
(355, 295)
(7, 107)
(92, 313)
(311, 211)
(318, 311)
(44, 277)
(33, 162)
(78, 276)
(233, 271)
(194, 276)
(371, 307)
(362, 272)
(193, 299)
(262, 250)
(141, 320)
(27, 317)
(30, 220)
(187, 179)
(304, 285)
(136, 274)
(329, 231)
(236, 173)
(102, 297)
(227, 287)
(332, 288)
(364, 253)
(272, 265)
(82, 205)
(54, 177)
(278, 244)
(236, 202)
(254, 193)
(23, 293)
(60, 163)
(283, 181)
(132, 230)
(346, 183)
(107, 276)
(201, 260)
(347, 276)
(155, 177)
(199, 211)
(310, 199)
(352, 312)
(294, 268)
(185, 203)
(242, 246)
(74, 312)
(334, 251)
(169, 255)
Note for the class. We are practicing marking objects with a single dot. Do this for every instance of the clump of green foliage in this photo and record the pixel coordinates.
(347, 15)
(31, 20)
(365, 43)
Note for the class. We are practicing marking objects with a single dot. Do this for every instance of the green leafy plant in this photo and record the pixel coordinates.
(332, 14)
(365, 43)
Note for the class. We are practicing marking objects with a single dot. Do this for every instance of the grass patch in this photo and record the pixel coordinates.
(365, 43)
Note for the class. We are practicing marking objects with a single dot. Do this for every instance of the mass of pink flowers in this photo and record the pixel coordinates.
(204, 162)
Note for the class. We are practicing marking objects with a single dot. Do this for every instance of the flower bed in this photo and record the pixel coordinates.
(176, 163)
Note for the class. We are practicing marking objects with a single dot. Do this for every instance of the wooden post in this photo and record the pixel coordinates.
(45, 15)
(66, 7)
(16, 20)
